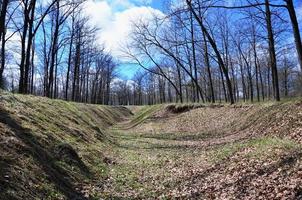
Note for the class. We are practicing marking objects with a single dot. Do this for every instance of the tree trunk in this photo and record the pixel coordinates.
(256, 61)
(194, 57)
(261, 81)
(69, 60)
(32, 69)
(215, 48)
(29, 47)
(295, 25)
(272, 52)
(54, 50)
(2, 37)
(3, 17)
(23, 48)
(207, 63)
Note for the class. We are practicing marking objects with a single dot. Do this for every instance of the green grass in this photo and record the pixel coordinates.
(50, 123)
(143, 114)
(145, 165)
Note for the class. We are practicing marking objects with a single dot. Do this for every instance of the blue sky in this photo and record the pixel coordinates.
(126, 71)
(157, 4)
(114, 18)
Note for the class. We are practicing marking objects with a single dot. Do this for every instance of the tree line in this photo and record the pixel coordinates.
(56, 51)
(196, 51)
(205, 51)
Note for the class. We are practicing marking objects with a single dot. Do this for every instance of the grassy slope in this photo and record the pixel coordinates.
(52, 149)
(242, 151)
(58, 150)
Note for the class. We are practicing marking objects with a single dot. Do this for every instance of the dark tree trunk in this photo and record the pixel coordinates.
(215, 48)
(296, 30)
(196, 93)
(207, 63)
(179, 84)
(54, 49)
(2, 37)
(23, 48)
(29, 47)
(223, 85)
(3, 17)
(69, 61)
(256, 62)
(261, 81)
(32, 69)
(272, 52)
(76, 77)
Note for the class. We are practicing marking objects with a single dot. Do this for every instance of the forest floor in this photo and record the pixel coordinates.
(232, 153)
(59, 150)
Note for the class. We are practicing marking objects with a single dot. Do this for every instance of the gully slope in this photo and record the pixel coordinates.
(59, 150)
(210, 152)
(52, 149)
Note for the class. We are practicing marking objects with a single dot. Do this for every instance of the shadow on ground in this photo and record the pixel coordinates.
(46, 160)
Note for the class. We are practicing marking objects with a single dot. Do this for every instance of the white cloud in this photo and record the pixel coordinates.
(123, 4)
(100, 12)
(115, 24)
(118, 32)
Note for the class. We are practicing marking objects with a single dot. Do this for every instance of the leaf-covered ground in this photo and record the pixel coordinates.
(53, 149)
(220, 152)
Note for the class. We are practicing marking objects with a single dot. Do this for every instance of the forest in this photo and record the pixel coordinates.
(196, 51)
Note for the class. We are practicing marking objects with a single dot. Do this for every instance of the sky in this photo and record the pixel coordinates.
(114, 18)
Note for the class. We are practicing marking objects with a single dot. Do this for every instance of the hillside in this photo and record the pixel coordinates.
(60, 150)
(52, 149)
